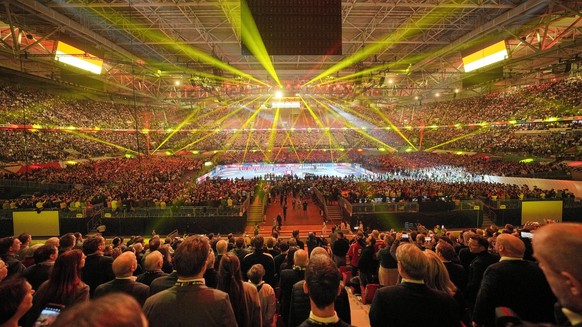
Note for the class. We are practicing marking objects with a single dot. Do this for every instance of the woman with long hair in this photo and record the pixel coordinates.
(64, 285)
(437, 278)
(244, 297)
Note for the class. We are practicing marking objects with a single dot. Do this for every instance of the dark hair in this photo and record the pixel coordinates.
(67, 240)
(155, 244)
(258, 243)
(446, 250)
(112, 310)
(5, 244)
(191, 255)
(91, 244)
(323, 280)
(230, 281)
(482, 241)
(12, 292)
(239, 242)
(24, 237)
(44, 252)
(65, 278)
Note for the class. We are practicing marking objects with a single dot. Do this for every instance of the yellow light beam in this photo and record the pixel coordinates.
(455, 139)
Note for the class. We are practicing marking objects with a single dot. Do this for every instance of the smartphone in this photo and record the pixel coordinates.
(526, 235)
(427, 239)
(48, 315)
(405, 236)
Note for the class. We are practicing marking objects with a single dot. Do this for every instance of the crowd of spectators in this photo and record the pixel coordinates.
(418, 276)
(71, 128)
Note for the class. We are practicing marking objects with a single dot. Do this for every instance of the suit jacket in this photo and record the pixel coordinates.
(413, 305)
(519, 285)
(138, 290)
(300, 306)
(458, 274)
(188, 306)
(97, 271)
(149, 276)
(263, 258)
(163, 283)
(37, 274)
(288, 278)
(476, 270)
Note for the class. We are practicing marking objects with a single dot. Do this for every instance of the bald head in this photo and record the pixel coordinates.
(559, 244)
(557, 248)
(510, 246)
(318, 251)
(154, 261)
(53, 241)
(300, 258)
(221, 247)
(124, 265)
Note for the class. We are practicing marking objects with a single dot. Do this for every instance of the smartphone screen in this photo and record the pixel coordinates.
(48, 315)
(427, 239)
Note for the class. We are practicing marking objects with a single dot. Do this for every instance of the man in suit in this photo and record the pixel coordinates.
(514, 283)
(97, 269)
(124, 282)
(260, 256)
(557, 249)
(288, 278)
(457, 273)
(479, 246)
(340, 248)
(44, 258)
(412, 303)
(9, 246)
(190, 301)
(153, 266)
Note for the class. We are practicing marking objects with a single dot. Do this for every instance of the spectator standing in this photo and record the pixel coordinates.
(97, 269)
(266, 294)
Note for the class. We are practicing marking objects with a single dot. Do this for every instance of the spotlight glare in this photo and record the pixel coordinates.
(279, 94)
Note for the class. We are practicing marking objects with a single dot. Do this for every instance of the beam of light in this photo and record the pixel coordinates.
(189, 118)
(218, 122)
(151, 35)
(326, 132)
(245, 124)
(273, 133)
(455, 139)
(404, 32)
(251, 37)
(392, 126)
(351, 126)
(353, 76)
(98, 140)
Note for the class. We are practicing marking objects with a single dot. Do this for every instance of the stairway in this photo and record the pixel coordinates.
(334, 215)
(255, 214)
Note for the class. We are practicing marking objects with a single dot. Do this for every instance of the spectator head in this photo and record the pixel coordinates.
(221, 247)
(318, 250)
(270, 243)
(67, 268)
(54, 241)
(155, 244)
(375, 234)
(340, 234)
(25, 239)
(557, 249)
(211, 260)
(256, 273)
(117, 241)
(284, 246)
(78, 237)
(300, 258)
(229, 268)
(94, 244)
(46, 252)
(9, 245)
(477, 244)
(445, 251)
(3, 270)
(509, 246)
(437, 275)
(295, 233)
(239, 242)
(412, 262)
(16, 294)
(111, 310)
(322, 281)
(258, 243)
(124, 265)
(154, 261)
(292, 242)
(191, 256)
(67, 241)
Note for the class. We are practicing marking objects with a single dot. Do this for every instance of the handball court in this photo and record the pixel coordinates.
(305, 221)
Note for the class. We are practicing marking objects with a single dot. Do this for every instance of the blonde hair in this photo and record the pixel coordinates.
(437, 276)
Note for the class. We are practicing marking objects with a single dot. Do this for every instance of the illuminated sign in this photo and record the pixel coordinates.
(486, 56)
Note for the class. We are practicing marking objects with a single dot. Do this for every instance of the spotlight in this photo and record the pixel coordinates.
(279, 94)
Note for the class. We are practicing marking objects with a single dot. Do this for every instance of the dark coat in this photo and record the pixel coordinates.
(300, 306)
(97, 271)
(137, 290)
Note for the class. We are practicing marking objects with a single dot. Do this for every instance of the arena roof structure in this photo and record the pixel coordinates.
(410, 49)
